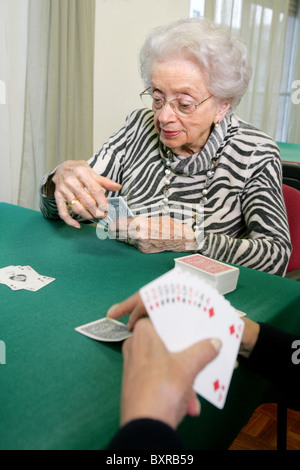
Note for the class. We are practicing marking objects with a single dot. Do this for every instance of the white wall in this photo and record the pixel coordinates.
(121, 27)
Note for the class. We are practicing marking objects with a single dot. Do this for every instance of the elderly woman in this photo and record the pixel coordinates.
(196, 177)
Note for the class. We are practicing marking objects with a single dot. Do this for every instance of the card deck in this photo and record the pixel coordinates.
(219, 275)
(23, 278)
(105, 329)
(185, 310)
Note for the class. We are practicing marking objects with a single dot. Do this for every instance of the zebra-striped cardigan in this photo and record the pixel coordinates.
(245, 220)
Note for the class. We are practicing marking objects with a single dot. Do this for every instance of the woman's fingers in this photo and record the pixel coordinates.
(80, 189)
(155, 234)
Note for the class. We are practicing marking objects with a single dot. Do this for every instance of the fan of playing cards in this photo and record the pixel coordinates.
(185, 310)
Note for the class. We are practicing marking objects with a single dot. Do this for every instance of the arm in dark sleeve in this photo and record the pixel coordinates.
(276, 357)
(146, 434)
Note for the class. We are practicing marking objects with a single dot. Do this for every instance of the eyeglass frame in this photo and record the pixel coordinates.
(169, 102)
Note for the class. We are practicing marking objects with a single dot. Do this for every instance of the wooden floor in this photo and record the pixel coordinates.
(260, 433)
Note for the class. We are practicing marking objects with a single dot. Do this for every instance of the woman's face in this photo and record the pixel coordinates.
(182, 78)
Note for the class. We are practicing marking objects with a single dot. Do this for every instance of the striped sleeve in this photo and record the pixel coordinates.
(266, 244)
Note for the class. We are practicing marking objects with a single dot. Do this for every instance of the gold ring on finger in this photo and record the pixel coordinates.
(70, 204)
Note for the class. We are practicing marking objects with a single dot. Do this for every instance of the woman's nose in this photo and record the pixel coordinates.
(167, 114)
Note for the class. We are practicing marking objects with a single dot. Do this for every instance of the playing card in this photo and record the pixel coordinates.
(224, 323)
(11, 277)
(185, 310)
(240, 313)
(23, 278)
(105, 329)
(117, 209)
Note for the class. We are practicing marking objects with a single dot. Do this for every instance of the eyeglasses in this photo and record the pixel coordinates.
(180, 106)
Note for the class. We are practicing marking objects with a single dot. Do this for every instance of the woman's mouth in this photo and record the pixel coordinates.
(169, 134)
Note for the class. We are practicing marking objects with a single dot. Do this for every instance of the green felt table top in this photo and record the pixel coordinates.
(289, 152)
(61, 390)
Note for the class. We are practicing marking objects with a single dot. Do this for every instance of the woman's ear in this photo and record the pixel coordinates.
(222, 111)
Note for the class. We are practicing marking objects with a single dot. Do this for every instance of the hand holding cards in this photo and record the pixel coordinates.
(117, 209)
(23, 278)
(185, 310)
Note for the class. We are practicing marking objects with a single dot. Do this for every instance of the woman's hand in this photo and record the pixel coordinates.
(156, 234)
(77, 182)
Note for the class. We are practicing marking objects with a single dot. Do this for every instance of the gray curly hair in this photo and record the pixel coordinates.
(222, 57)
